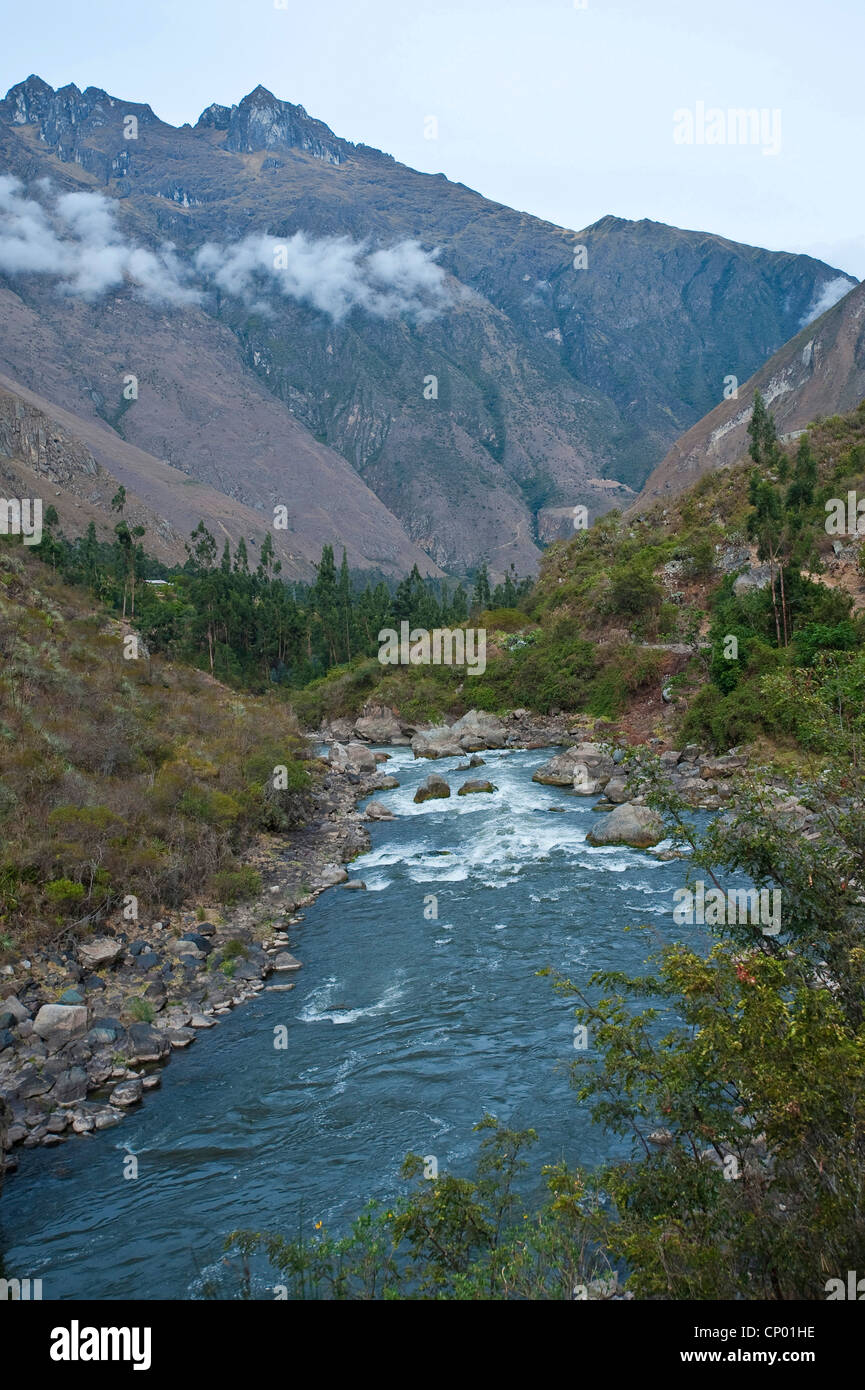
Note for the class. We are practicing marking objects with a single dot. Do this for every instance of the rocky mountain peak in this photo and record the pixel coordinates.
(61, 114)
(263, 122)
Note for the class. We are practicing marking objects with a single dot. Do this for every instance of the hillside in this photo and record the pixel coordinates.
(819, 372)
(449, 348)
(630, 621)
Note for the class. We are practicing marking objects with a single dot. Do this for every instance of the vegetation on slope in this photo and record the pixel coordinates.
(121, 775)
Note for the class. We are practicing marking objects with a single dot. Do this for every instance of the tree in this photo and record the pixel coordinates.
(481, 593)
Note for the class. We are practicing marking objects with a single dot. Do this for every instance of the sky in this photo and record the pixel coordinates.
(564, 109)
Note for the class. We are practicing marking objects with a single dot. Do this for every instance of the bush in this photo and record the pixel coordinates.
(235, 885)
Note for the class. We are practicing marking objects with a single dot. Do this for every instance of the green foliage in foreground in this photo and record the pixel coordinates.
(745, 1065)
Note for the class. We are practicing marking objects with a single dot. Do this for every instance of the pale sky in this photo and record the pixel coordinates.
(562, 111)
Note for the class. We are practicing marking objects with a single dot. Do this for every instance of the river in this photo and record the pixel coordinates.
(404, 1028)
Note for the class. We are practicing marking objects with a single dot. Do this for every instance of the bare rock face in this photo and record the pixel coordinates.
(629, 824)
(433, 789)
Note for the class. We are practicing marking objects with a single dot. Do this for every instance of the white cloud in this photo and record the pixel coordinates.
(333, 274)
(828, 294)
(74, 239)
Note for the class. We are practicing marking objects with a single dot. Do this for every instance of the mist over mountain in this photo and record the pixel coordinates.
(312, 324)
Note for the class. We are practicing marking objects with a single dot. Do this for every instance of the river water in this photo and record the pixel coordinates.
(403, 1030)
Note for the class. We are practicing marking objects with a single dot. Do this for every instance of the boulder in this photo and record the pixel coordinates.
(286, 961)
(583, 784)
(361, 758)
(478, 729)
(436, 743)
(330, 875)
(376, 810)
(61, 1021)
(386, 784)
(558, 772)
(126, 1093)
(380, 725)
(628, 824)
(616, 790)
(13, 1006)
(475, 785)
(434, 788)
(101, 951)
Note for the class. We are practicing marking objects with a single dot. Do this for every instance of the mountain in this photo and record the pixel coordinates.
(443, 352)
(820, 372)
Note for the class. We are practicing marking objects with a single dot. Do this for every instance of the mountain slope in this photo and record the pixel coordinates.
(555, 385)
(819, 372)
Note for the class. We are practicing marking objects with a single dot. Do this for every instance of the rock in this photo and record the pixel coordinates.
(71, 996)
(380, 726)
(7, 1039)
(201, 1021)
(475, 785)
(721, 767)
(477, 762)
(757, 577)
(628, 824)
(583, 784)
(360, 758)
(286, 961)
(101, 951)
(616, 790)
(127, 1093)
(376, 810)
(60, 1020)
(70, 1087)
(180, 1037)
(434, 788)
(436, 743)
(332, 874)
(354, 883)
(146, 1043)
(558, 772)
(13, 1006)
(386, 784)
(198, 940)
(106, 1118)
(104, 1031)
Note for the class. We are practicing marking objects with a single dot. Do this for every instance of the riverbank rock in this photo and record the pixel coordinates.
(558, 772)
(477, 730)
(286, 961)
(636, 826)
(434, 788)
(376, 810)
(436, 743)
(475, 785)
(380, 725)
(60, 1022)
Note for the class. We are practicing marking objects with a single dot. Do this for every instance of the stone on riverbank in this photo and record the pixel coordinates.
(629, 824)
